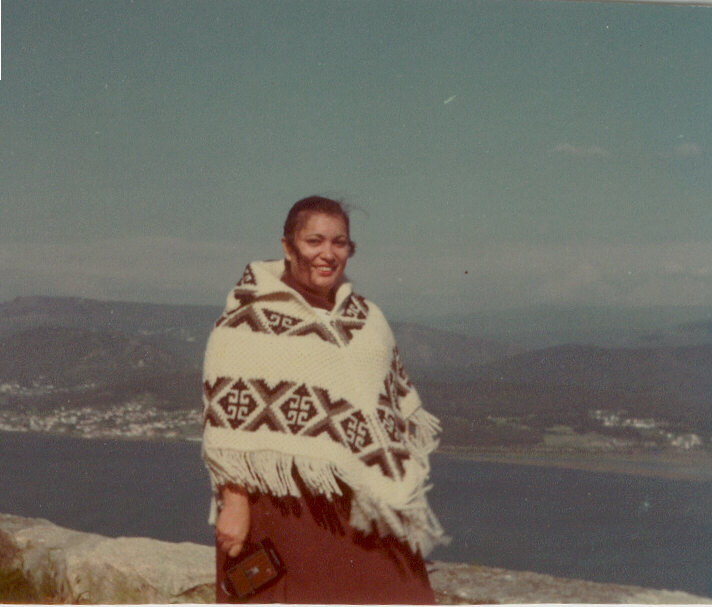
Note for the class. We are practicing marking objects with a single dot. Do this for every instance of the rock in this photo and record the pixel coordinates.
(43, 563)
(76, 567)
(456, 583)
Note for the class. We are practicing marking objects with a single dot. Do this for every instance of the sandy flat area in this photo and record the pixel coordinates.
(694, 465)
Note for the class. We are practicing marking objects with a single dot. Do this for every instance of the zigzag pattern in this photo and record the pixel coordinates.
(396, 384)
(355, 307)
(317, 329)
(404, 385)
(298, 409)
(248, 277)
(352, 317)
(264, 320)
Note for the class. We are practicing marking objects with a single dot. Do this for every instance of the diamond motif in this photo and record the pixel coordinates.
(298, 409)
(357, 433)
(237, 404)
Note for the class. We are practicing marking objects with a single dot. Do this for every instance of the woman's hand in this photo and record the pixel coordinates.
(233, 523)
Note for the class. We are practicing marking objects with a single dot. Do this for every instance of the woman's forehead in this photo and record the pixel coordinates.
(323, 223)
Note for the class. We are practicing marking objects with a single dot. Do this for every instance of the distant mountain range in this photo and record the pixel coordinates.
(605, 326)
(683, 371)
(72, 352)
(688, 333)
(182, 327)
(165, 338)
(65, 357)
(444, 355)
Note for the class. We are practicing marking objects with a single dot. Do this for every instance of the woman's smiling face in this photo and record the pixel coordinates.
(318, 258)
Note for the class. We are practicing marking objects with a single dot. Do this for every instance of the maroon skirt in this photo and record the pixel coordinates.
(327, 560)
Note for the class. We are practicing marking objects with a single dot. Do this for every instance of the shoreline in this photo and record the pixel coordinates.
(695, 466)
(88, 575)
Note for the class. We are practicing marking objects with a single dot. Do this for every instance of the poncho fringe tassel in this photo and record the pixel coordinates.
(282, 463)
(272, 473)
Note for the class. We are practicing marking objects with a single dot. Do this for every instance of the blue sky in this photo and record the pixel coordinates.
(498, 153)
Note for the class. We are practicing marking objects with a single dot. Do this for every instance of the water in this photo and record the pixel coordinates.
(602, 527)
(597, 526)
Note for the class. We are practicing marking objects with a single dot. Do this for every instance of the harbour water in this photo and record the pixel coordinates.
(598, 526)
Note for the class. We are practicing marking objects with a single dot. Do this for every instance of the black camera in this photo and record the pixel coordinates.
(255, 568)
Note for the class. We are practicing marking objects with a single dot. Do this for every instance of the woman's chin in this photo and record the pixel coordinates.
(322, 289)
(324, 284)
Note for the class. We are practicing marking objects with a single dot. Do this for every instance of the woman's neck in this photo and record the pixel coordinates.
(313, 299)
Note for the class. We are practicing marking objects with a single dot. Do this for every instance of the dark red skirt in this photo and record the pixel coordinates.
(327, 560)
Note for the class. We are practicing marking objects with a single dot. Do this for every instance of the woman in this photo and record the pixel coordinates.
(314, 436)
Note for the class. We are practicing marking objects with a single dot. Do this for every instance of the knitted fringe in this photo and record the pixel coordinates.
(270, 472)
(429, 426)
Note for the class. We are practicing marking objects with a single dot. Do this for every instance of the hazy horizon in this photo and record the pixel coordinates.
(499, 154)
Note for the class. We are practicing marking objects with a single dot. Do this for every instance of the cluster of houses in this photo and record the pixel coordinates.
(679, 440)
(128, 420)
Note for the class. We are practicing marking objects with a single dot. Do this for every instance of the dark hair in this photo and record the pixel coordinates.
(301, 209)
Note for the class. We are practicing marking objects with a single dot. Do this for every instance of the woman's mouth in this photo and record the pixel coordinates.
(324, 270)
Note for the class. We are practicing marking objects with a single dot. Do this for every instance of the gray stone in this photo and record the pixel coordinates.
(88, 568)
(66, 566)
(456, 583)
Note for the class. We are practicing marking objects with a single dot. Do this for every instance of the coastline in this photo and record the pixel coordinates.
(171, 466)
(668, 464)
(79, 567)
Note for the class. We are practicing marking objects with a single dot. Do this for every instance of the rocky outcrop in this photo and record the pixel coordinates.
(53, 564)
(456, 583)
(41, 562)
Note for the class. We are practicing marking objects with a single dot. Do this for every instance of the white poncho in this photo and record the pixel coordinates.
(289, 388)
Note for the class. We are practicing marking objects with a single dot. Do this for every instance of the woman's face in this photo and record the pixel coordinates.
(321, 248)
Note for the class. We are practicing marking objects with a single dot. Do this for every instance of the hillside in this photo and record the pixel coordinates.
(88, 367)
(436, 354)
(685, 369)
(129, 317)
(688, 333)
(634, 396)
(67, 357)
(540, 327)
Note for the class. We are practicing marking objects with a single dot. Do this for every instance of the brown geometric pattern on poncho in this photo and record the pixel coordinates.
(396, 385)
(262, 319)
(352, 318)
(310, 411)
(248, 277)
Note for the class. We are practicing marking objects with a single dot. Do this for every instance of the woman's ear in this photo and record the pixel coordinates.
(287, 250)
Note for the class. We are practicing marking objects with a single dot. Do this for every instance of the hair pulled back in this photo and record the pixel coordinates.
(305, 207)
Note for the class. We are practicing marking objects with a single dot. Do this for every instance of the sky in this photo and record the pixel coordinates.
(496, 153)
